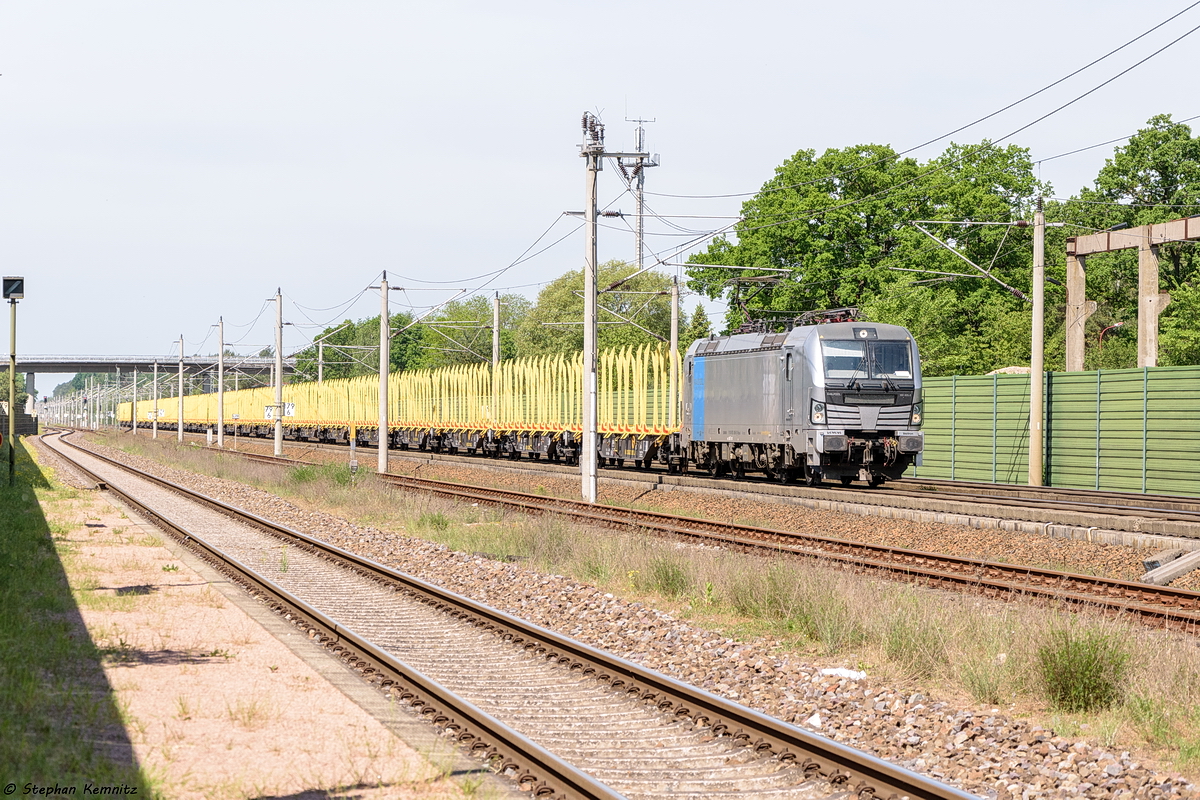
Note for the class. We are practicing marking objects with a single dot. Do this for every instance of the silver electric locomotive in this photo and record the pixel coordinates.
(839, 400)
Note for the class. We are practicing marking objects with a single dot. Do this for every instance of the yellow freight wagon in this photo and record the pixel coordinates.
(529, 405)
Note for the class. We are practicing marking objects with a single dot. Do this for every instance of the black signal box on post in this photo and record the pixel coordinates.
(14, 288)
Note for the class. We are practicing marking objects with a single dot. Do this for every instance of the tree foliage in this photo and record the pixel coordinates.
(843, 227)
(461, 332)
(1154, 177)
(553, 324)
(352, 348)
(698, 327)
(21, 393)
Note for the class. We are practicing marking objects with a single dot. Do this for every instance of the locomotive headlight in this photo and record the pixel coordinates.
(818, 412)
(916, 414)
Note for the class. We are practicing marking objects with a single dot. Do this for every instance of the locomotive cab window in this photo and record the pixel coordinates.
(787, 366)
(845, 359)
(873, 358)
(890, 359)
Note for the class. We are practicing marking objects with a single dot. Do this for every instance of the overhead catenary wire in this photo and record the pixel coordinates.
(1110, 141)
(984, 118)
(992, 144)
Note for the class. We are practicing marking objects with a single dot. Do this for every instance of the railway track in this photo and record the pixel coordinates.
(1161, 606)
(560, 717)
(1164, 514)
(1158, 605)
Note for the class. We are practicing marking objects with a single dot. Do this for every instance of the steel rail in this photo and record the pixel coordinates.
(1119, 504)
(538, 770)
(292, 462)
(1183, 510)
(845, 767)
(1162, 605)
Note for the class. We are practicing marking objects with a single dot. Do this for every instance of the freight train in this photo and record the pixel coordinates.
(827, 399)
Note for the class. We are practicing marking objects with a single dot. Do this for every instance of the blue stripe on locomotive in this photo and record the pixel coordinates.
(698, 398)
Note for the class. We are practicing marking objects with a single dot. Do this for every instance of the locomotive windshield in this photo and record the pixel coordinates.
(867, 359)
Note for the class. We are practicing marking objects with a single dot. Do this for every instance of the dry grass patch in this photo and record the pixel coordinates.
(1080, 672)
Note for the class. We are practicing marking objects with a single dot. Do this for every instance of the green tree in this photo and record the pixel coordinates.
(21, 393)
(1154, 177)
(352, 349)
(79, 382)
(698, 327)
(841, 226)
(461, 333)
(552, 325)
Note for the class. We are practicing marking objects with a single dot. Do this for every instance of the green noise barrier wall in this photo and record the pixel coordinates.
(1131, 430)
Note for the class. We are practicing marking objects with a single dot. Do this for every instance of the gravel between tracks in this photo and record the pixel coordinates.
(1104, 560)
(1112, 561)
(990, 754)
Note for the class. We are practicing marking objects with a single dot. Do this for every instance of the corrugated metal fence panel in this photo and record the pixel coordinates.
(1118, 456)
(976, 428)
(973, 430)
(1071, 429)
(1128, 430)
(938, 408)
(1172, 430)
(1012, 428)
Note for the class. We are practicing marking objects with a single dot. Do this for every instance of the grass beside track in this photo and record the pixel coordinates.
(1082, 674)
(59, 722)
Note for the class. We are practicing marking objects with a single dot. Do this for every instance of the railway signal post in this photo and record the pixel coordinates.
(14, 290)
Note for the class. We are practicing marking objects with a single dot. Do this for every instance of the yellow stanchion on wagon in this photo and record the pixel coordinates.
(529, 394)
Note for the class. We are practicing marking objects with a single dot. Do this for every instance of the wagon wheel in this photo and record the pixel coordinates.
(811, 476)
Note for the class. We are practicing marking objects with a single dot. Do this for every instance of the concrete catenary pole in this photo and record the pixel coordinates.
(673, 391)
(278, 373)
(220, 382)
(496, 332)
(321, 361)
(496, 356)
(385, 346)
(133, 406)
(1037, 369)
(179, 418)
(154, 423)
(593, 151)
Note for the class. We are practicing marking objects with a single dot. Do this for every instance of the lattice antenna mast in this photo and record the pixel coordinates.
(634, 170)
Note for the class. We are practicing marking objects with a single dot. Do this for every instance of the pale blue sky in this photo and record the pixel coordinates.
(167, 163)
